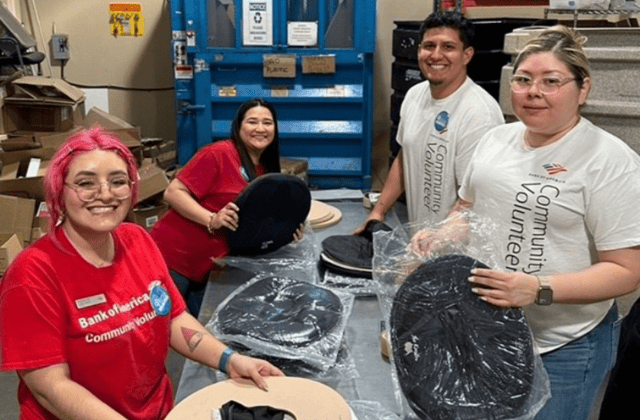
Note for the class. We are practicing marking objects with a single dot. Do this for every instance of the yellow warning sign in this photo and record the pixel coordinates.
(126, 19)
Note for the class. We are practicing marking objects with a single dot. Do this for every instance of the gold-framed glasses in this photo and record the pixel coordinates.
(88, 189)
(548, 85)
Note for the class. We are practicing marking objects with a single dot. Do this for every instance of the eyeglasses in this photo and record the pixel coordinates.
(88, 189)
(549, 85)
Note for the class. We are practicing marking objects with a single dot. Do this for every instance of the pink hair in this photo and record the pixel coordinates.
(82, 142)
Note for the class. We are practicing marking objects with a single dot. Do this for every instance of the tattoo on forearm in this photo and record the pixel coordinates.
(192, 337)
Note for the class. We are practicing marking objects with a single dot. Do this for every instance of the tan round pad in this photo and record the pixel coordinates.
(323, 215)
(319, 212)
(305, 399)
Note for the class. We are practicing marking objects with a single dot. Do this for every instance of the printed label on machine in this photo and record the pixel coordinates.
(257, 18)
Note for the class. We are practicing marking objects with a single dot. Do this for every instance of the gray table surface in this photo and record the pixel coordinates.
(375, 382)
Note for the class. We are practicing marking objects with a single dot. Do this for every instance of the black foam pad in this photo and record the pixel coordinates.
(272, 207)
(458, 357)
(281, 311)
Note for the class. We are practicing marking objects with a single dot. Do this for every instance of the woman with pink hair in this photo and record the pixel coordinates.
(88, 312)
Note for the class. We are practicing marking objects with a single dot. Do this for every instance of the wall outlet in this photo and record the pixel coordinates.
(60, 47)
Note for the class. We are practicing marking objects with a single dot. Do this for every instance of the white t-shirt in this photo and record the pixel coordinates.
(438, 137)
(556, 205)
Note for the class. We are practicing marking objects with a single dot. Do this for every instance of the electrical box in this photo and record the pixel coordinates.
(312, 59)
(60, 47)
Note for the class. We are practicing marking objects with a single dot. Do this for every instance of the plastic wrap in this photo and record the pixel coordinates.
(298, 260)
(279, 317)
(357, 286)
(454, 355)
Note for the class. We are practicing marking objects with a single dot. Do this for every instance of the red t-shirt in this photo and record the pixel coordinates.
(214, 177)
(111, 325)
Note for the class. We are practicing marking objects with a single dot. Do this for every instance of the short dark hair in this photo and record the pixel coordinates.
(270, 158)
(453, 20)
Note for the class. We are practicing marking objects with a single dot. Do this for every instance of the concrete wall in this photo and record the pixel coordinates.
(100, 59)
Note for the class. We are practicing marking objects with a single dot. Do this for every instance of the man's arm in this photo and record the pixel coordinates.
(391, 191)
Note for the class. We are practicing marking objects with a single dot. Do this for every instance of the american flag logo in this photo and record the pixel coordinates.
(554, 168)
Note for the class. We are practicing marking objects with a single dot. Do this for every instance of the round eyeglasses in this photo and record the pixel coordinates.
(88, 190)
(549, 85)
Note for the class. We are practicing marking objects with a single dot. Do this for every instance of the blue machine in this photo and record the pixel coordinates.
(311, 58)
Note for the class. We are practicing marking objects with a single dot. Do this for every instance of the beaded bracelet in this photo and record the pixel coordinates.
(223, 365)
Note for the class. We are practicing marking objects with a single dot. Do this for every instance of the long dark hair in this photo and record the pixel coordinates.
(270, 158)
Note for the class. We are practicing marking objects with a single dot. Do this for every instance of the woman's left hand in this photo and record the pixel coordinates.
(507, 289)
(255, 369)
(299, 233)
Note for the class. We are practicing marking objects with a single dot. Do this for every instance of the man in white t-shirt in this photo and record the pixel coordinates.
(441, 120)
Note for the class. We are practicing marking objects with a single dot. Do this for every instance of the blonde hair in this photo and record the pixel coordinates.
(565, 44)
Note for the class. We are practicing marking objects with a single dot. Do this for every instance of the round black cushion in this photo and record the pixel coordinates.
(458, 357)
(281, 311)
(272, 207)
(352, 254)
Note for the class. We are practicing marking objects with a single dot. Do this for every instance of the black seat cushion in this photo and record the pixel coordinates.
(352, 254)
(281, 311)
(272, 207)
(458, 357)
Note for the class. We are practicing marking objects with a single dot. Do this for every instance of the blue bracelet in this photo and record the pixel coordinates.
(223, 365)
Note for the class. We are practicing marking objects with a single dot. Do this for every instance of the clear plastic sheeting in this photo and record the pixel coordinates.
(357, 286)
(298, 260)
(454, 355)
(279, 317)
(371, 410)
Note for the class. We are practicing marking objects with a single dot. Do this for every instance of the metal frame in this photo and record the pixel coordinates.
(325, 119)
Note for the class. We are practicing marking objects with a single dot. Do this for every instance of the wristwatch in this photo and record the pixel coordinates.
(545, 294)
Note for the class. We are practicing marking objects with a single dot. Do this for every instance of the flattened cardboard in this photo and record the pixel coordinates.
(24, 187)
(279, 65)
(319, 64)
(10, 247)
(304, 398)
(147, 214)
(152, 181)
(44, 90)
(42, 104)
(104, 119)
(17, 216)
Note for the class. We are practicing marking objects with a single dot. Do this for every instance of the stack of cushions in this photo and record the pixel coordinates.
(272, 207)
(352, 255)
(458, 357)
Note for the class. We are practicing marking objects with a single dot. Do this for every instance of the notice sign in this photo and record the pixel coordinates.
(279, 65)
(257, 18)
(126, 19)
(302, 34)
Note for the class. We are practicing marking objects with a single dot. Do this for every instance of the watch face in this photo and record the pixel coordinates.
(545, 297)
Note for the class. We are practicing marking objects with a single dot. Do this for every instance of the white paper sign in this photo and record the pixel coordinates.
(257, 18)
(302, 34)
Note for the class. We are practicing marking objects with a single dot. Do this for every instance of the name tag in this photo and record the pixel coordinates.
(91, 301)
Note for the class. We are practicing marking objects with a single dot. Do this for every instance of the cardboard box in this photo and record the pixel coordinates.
(30, 187)
(21, 142)
(127, 133)
(10, 247)
(37, 117)
(153, 181)
(43, 104)
(17, 216)
(104, 119)
(148, 213)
